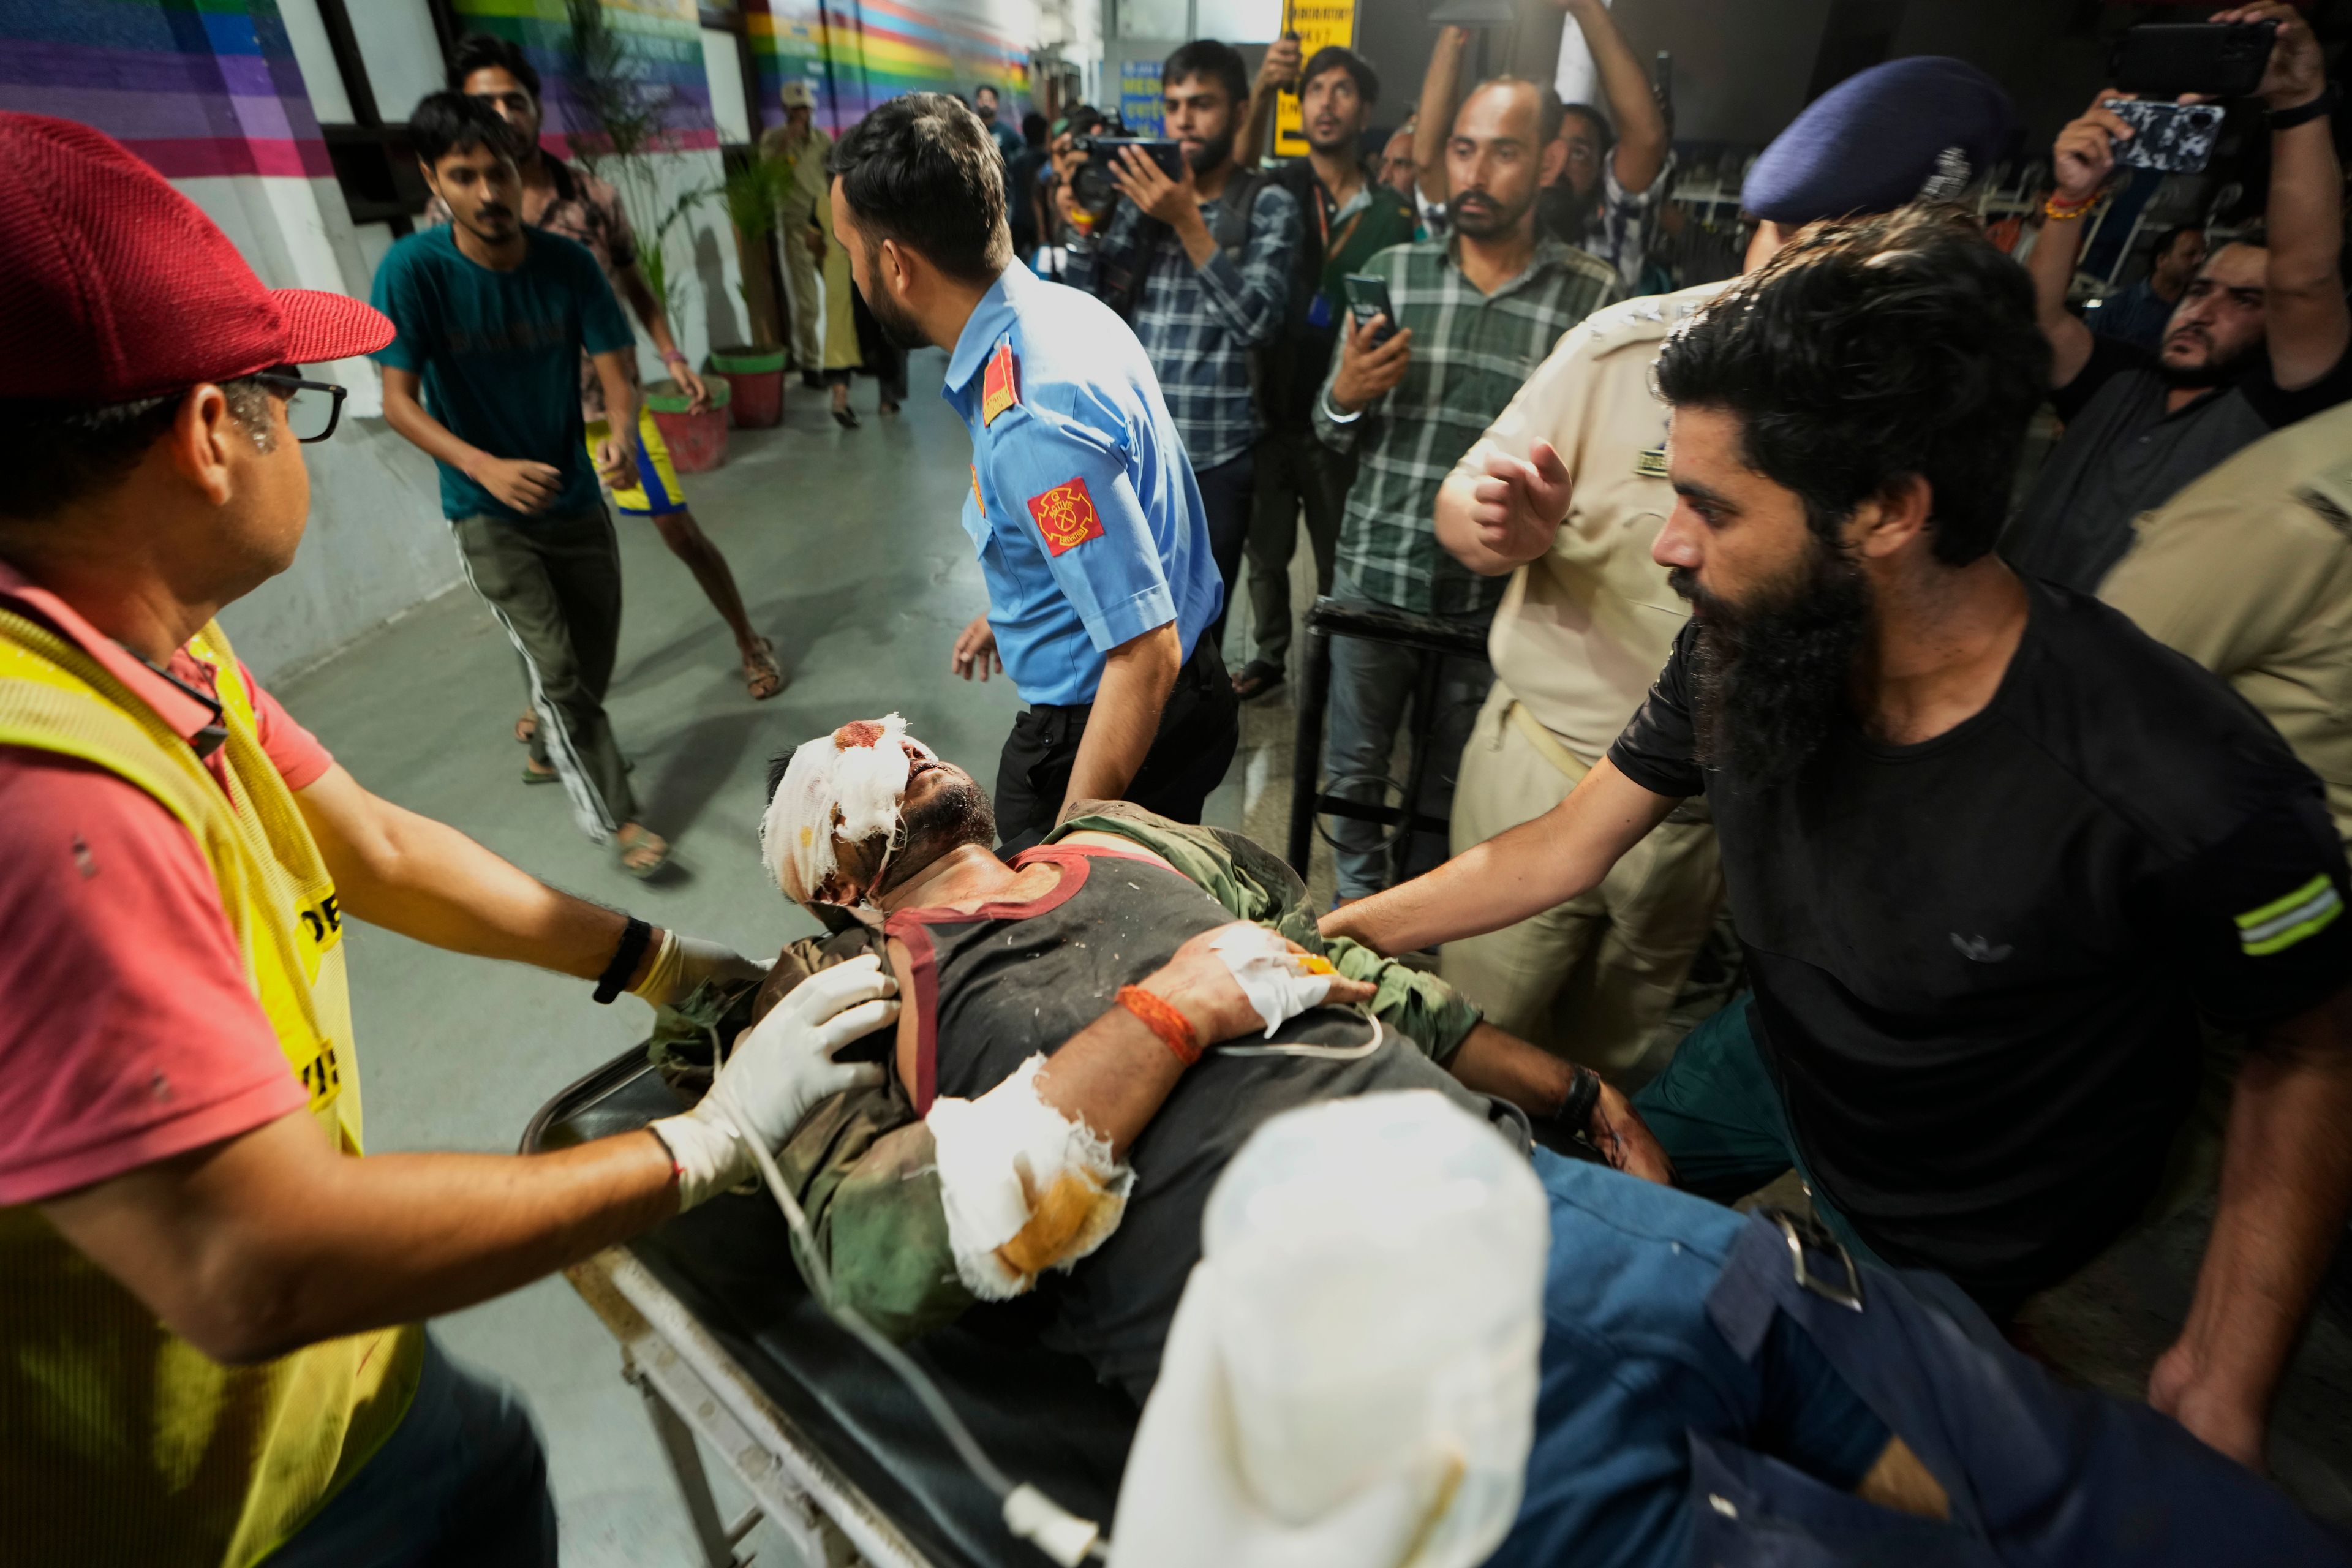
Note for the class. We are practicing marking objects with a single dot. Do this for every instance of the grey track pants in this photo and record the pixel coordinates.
(554, 584)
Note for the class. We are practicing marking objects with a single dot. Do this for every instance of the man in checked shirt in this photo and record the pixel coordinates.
(1476, 313)
(1200, 268)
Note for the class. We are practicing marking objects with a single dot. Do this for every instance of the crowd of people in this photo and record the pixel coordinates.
(1791, 630)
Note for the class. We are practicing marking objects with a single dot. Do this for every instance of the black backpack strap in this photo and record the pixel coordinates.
(1234, 205)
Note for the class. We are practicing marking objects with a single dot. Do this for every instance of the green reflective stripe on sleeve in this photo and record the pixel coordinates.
(2283, 922)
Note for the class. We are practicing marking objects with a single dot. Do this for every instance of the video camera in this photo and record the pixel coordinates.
(1091, 186)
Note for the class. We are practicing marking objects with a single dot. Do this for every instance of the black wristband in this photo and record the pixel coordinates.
(2310, 110)
(615, 978)
(1575, 1112)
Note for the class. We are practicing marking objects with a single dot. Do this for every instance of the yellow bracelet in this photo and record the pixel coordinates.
(2051, 209)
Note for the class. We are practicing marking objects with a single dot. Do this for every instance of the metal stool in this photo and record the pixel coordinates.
(1436, 640)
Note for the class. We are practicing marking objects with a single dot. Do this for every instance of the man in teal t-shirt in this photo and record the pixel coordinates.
(493, 317)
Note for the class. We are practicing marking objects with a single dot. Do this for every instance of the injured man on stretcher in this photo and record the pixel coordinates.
(1088, 1037)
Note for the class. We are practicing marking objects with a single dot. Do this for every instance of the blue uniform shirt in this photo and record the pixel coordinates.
(1083, 506)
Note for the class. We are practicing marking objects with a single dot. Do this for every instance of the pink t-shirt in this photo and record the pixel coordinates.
(128, 1032)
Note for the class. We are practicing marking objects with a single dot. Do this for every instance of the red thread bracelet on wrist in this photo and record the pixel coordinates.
(1160, 1016)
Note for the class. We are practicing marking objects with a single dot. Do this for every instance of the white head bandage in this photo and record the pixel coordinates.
(845, 787)
(1351, 1375)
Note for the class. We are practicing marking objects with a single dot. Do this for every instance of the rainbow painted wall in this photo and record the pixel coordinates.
(662, 33)
(856, 54)
(197, 87)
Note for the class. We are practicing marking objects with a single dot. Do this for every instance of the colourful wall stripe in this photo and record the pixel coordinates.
(662, 35)
(856, 54)
(197, 87)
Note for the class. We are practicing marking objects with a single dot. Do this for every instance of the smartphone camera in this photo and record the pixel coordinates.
(1090, 180)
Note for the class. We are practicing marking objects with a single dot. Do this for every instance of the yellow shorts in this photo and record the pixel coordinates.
(656, 493)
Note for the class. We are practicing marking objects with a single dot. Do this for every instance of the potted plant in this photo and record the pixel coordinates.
(697, 439)
(756, 371)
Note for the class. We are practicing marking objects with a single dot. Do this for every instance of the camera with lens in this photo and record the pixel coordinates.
(1090, 182)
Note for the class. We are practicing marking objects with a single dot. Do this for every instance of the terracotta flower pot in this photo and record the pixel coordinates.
(757, 375)
(698, 442)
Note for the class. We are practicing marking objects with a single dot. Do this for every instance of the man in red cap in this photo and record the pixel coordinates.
(209, 1350)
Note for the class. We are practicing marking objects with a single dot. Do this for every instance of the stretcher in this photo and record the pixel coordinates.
(724, 1341)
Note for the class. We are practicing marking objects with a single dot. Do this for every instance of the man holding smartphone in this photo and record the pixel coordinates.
(1199, 262)
(1474, 315)
(2256, 344)
(1351, 218)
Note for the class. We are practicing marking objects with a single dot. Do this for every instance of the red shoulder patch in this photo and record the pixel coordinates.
(1000, 389)
(1066, 515)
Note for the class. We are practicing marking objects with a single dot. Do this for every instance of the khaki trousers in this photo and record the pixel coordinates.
(1592, 979)
(801, 284)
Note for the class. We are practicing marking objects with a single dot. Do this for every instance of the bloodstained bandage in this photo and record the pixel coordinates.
(1024, 1188)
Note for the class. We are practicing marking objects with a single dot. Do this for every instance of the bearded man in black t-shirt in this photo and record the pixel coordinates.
(1991, 849)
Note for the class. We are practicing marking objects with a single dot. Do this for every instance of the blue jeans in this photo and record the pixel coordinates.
(1372, 685)
(461, 1483)
(1718, 1114)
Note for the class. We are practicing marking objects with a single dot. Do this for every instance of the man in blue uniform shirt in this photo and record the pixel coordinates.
(1083, 508)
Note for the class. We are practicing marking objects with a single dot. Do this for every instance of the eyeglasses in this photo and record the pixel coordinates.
(313, 408)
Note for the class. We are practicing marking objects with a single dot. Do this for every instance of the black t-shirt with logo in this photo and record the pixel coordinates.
(1978, 960)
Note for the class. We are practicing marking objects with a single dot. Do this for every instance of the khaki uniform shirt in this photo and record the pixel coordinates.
(2249, 571)
(811, 187)
(1584, 629)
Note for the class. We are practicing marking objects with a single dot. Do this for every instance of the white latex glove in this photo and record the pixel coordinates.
(782, 1068)
(682, 962)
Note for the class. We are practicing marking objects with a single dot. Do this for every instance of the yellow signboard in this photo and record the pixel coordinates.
(1318, 24)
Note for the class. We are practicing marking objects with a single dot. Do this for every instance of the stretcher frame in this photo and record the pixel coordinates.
(693, 1388)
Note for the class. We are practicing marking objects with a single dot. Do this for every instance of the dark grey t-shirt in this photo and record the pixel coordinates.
(2123, 455)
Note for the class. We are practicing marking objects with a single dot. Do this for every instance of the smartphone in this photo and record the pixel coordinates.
(1167, 154)
(2176, 138)
(1368, 297)
(2218, 60)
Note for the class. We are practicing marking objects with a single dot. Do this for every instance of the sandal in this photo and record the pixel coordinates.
(762, 675)
(532, 775)
(642, 852)
(845, 418)
(525, 728)
(1258, 678)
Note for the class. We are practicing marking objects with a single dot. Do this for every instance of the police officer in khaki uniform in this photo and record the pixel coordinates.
(1567, 492)
(2249, 571)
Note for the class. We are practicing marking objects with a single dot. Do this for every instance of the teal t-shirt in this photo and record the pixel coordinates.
(499, 353)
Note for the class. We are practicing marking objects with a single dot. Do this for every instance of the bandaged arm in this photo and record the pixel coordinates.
(868, 1174)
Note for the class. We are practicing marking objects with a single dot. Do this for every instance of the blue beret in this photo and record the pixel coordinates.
(1872, 142)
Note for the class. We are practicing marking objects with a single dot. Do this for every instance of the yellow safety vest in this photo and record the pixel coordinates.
(120, 1442)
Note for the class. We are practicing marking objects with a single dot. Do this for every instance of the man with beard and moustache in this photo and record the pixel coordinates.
(2256, 344)
(1475, 315)
(1564, 495)
(1089, 527)
(1201, 266)
(1604, 198)
(1992, 852)
(1355, 218)
(493, 316)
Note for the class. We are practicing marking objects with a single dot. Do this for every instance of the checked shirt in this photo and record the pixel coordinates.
(1470, 354)
(1199, 324)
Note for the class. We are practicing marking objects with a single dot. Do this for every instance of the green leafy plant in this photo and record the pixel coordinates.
(653, 251)
(607, 86)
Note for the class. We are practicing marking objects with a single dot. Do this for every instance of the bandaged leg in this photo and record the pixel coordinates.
(1026, 1188)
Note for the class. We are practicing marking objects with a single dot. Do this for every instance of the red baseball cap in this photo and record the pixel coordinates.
(113, 286)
